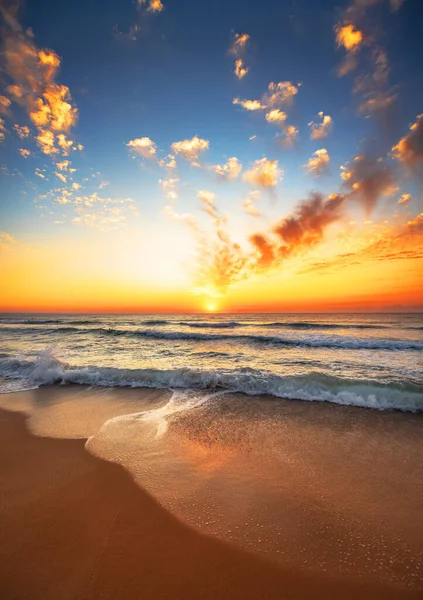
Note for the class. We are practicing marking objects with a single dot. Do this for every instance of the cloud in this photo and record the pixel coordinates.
(66, 144)
(348, 37)
(61, 176)
(222, 262)
(368, 180)
(4, 105)
(264, 173)
(318, 163)
(144, 147)
(322, 129)
(230, 170)
(7, 241)
(280, 93)
(416, 224)
(190, 150)
(23, 132)
(169, 188)
(45, 140)
(240, 69)
(291, 134)
(187, 218)
(409, 150)
(405, 199)
(3, 130)
(239, 43)
(249, 104)
(155, 6)
(249, 206)
(105, 214)
(351, 39)
(63, 165)
(33, 72)
(276, 117)
(24, 152)
(170, 164)
(207, 200)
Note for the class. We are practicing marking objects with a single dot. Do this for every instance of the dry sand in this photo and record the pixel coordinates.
(76, 527)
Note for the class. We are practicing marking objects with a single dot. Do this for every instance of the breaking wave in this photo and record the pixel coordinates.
(309, 341)
(311, 387)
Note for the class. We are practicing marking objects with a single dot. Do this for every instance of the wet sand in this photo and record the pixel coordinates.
(76, 527)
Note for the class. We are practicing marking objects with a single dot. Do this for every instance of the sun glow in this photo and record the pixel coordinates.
(211, 306)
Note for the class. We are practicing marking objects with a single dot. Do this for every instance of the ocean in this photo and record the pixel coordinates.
(297, 437)
(372, 360)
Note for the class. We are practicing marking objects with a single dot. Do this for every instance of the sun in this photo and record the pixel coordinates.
(211, 306)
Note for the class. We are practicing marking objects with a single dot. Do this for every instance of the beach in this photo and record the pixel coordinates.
(76, 526)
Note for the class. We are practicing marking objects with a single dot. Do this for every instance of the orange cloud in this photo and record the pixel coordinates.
(23, 132)
(240, 69)
(291, 134)
(409, 149)
(24, 152)
(2, 130)
(4, 105)
(61, 177)
(152, 5)
(322, 129)
(33, 72)
(318, 163)
(191, 149)
(349, 37)
(239, 43)
(230, 170)
(45, 140)
(264, 173)
(276, 117)
(144, 147)
(280, 93)
(249, 104)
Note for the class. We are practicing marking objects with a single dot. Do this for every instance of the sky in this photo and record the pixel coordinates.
(185, 156)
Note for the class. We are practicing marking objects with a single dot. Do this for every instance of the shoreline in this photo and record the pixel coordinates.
(75, 526)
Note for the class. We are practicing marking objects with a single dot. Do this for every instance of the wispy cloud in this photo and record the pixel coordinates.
(249, 104)
(249, 206)
(7, 241)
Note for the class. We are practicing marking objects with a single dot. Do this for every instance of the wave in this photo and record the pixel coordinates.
(311, 325)
(215, 325)
(311, 387)
(316, 341)
(44, 322)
